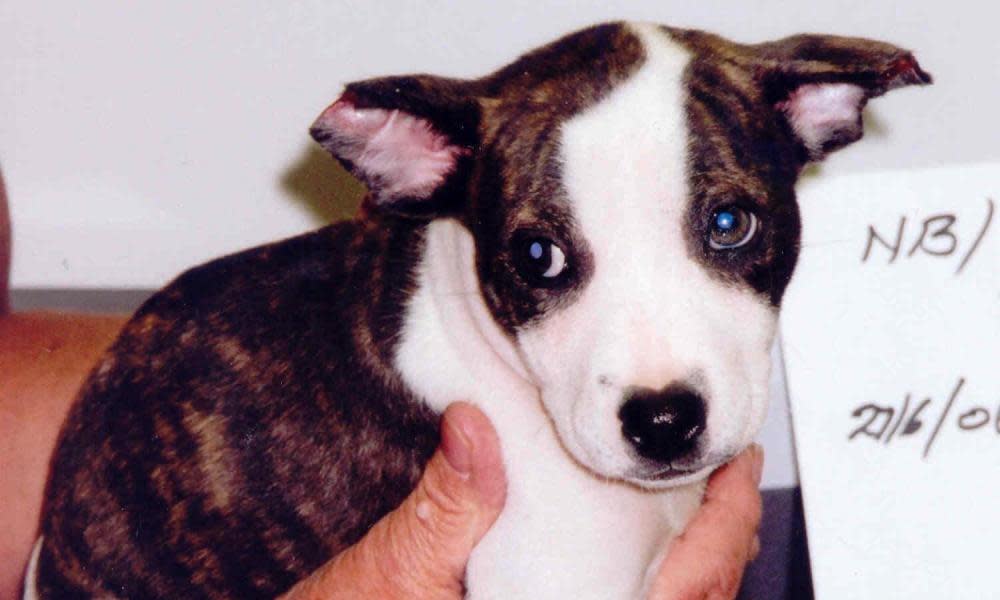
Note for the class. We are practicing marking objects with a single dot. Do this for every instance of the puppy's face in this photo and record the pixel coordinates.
(639, 257)
(630, 192)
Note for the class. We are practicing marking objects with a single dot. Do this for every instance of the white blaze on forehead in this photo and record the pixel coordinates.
(624, 162)
(651, 313)
(624, 172)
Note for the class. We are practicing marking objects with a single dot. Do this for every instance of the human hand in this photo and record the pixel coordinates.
(706, 562)
(419, 551)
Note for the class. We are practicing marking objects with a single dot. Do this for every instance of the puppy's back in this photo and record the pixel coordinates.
(217, 448)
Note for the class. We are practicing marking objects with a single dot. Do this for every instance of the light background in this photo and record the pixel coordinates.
(140, 138)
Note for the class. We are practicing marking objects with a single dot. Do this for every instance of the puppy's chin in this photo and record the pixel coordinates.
(657, 477)
(670, 477)
(645, 475)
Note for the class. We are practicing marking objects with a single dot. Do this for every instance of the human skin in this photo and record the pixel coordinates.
(44, 357)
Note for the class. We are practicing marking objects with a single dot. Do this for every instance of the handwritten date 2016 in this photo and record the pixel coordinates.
(914, 417)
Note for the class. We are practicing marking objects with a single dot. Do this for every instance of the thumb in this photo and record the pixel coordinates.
(430, 536)
(420, 549)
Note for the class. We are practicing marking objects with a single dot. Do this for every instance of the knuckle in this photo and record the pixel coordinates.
(755, 511)
(746, 512)
(754, 549)
(756, 505)
(441, 504)
(411, 562)
(444, 501)
(720, 581)
(725, 581)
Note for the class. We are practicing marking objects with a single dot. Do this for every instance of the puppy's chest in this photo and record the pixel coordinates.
(566, 534)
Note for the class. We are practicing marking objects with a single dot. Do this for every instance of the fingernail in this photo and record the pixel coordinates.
(758, 462)
(457, 448)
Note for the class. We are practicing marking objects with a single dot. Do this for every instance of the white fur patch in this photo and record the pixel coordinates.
(398, 154)
(818, 111)
(450, 348)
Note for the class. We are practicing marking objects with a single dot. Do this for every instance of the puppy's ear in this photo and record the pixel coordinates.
(407, 138)
(822, 83)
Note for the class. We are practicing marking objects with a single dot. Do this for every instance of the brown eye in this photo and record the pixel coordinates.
(731, 227)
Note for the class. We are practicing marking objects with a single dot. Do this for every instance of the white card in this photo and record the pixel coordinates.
(891, 338)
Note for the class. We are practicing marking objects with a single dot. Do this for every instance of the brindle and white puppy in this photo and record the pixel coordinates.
(591, 244)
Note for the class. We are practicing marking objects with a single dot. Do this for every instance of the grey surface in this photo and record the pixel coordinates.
(96, 300)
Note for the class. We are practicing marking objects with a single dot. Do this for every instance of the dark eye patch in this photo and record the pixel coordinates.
(740, 155)
(532, 260)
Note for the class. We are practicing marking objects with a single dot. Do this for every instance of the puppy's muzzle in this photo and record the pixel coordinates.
(663, 425)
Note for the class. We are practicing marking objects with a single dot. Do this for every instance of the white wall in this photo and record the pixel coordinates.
(138, 138)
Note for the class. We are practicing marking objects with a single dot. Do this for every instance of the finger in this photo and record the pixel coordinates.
(420, 549)
(707, 560)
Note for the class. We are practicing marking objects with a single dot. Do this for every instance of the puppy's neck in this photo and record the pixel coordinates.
(450, 347)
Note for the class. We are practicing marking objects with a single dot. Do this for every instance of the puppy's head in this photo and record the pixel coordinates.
(630, 192)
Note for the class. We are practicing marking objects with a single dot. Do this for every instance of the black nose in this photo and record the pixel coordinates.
(663, 425)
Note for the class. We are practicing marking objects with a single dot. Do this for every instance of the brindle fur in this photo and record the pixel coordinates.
(743, 151)
(248, 424)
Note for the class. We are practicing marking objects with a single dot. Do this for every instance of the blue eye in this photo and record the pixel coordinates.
(536, 250)
(731, 227)
(725, 220)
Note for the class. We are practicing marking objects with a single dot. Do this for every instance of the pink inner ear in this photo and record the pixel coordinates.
(821, 112)
(396, 152)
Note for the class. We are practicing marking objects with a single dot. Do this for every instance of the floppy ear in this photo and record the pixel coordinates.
(822, 83)
(406, 138)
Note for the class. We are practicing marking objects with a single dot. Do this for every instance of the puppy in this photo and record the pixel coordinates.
(591, 244)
